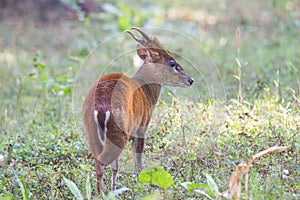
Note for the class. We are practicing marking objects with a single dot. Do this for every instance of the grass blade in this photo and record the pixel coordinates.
(88, 188)
(212, 185)
(74, 189)
(203, 193)
(25, 191)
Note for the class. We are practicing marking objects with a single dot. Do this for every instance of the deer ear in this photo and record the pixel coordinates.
(143, 53)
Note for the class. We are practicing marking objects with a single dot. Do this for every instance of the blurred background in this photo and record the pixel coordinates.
(60, 33)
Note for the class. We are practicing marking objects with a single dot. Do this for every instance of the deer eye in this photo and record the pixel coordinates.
(173, 64)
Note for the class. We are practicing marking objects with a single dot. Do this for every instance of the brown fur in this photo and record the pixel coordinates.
(123, 105)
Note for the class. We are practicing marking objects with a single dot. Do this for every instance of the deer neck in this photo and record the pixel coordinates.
(149, 85)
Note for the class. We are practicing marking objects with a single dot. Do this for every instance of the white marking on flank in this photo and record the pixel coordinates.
(107, 115)
(98, 127)
(96, 116)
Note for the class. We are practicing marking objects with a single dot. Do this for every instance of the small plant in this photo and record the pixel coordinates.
(239, 69)
(209, 190)
(157, 176)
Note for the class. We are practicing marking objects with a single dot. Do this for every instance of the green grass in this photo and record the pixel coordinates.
(46, 71)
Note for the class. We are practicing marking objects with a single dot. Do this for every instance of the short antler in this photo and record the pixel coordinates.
(146, 39)
(151, 43)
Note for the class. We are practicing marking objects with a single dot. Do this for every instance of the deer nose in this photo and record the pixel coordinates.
(191, 81)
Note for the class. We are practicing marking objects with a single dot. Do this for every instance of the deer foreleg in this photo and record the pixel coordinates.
(137, 150)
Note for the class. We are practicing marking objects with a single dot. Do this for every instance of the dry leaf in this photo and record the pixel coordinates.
(234, 190)
(235, 182)
(272, 149)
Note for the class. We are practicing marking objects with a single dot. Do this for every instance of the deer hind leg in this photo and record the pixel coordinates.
(137, 150)
(100, 168)
(110, 155)
(114, 170)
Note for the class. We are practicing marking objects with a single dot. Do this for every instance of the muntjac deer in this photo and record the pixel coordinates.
(118, 108)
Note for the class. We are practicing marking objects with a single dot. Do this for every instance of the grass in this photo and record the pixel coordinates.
(43, 83)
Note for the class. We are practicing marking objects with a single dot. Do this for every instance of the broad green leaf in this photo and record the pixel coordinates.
(186, 185)
(190, 186)
(157, 176)
(212, 185)
(74, 189)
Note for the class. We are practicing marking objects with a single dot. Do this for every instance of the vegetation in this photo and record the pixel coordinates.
(244, 59)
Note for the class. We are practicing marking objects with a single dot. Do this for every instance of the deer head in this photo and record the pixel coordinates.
(159, 65)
